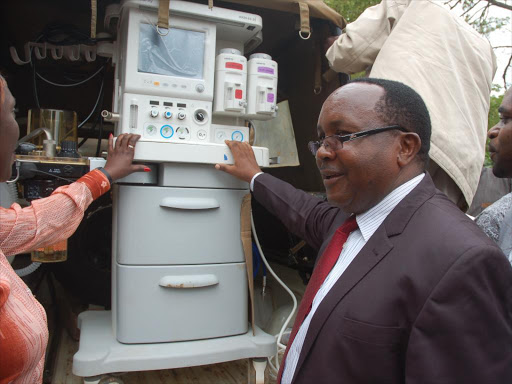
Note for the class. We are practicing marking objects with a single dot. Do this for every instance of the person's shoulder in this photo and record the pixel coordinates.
(497, 208)
(442, 219)
(441, 235)
(491, 218)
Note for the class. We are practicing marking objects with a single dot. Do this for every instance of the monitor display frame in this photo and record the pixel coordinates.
(134, 81)
(177, 53)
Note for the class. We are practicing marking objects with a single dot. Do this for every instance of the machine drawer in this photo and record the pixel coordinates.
(173, 226)
(178, 303)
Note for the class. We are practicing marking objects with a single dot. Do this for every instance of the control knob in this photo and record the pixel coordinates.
(181, 115)
(200, 116)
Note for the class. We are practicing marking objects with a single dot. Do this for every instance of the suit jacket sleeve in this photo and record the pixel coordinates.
(357, 48)
(304, 215)
(463, 334)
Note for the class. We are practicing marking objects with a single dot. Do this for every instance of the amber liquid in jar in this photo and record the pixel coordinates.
(51, 254)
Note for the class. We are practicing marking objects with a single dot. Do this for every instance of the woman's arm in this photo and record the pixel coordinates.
(56, 217)
(49, 220)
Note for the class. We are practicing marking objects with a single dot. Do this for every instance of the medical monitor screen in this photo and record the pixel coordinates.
(180, 53)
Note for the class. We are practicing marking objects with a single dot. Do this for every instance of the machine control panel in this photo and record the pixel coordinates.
(163, 119)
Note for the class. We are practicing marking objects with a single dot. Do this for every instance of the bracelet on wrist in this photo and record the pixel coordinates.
(107, 175)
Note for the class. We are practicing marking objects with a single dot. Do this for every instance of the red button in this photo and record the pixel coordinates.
(233, 65)
(238, 94)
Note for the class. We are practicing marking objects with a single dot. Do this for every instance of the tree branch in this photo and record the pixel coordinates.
(502, 46)
(480, 11)
(454, 5)
(484, 13)
(470, 8)
(506, 70)
(500, 4)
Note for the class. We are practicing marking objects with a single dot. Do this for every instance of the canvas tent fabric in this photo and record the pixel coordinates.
(317, 8)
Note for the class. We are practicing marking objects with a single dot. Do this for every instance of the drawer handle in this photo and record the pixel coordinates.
(189, 203)
(188, 281)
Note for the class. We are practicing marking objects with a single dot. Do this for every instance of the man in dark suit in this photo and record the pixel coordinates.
(417, 293)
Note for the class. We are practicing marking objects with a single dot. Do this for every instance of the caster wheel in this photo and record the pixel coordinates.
(111, 380)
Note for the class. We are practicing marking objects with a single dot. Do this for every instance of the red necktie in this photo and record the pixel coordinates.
(322, 269)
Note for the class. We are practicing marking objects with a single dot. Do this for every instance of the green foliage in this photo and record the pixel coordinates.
(493, 111)
(476, 13)
(493, 120)
(350, 9)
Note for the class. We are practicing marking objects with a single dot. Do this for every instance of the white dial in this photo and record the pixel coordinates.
(183, 133)
(151, 130)
(221, 135)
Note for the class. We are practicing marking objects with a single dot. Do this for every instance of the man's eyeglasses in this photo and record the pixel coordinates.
(335, 142)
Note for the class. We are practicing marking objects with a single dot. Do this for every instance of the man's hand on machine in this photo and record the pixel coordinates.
(245, 165)
(120, 157)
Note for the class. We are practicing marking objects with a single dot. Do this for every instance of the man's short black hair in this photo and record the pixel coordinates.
(403, 106)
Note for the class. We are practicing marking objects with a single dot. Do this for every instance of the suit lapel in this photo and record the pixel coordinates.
(370, 255)
(377, 248)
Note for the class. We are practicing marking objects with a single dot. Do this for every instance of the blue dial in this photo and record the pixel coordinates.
(237, 136)
(167, 131)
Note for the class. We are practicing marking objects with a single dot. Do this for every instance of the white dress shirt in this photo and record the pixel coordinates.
(368, 223)
(251, 185)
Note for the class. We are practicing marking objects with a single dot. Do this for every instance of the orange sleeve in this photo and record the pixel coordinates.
(97, 183)
(51, 219)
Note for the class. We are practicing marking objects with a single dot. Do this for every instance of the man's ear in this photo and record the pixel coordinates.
(410, 144)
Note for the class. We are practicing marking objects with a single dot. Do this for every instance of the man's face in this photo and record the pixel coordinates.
(359, 175)
(500, 144)
(9, 132)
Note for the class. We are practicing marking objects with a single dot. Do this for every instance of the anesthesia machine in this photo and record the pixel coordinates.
(180, 292)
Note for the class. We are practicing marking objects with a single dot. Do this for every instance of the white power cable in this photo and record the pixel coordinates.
(70, 85)
(280, 347)
(95, 105)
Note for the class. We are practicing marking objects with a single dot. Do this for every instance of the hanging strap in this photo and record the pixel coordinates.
(94, 16)
(163, 15)
(318, 66)
(210, 4)
(245, 235)
(305, 28)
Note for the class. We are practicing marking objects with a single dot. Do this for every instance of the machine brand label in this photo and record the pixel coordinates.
(233, 65)
(243, 17)
(270, 98)
(268, 70)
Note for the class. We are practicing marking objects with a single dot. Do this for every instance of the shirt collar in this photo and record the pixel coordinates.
(370, 220)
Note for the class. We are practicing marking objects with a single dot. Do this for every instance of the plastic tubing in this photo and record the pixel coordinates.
(280, 347)
(28, 269)
(13, 193)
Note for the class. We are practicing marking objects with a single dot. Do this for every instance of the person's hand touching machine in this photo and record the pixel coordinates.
(244, 165)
